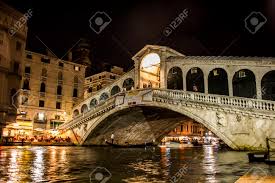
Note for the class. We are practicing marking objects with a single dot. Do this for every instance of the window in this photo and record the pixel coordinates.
(41, 103)
(27, 70)
(103, 76)
(59, 90)
(60, 64)
(90, 90)
(18, 46)
(26, 84)
(57, 117)
(29, 56)
(15, 67)
(76, 68)
(75, 92)
(42, 87)
(44, 72)
(181, 128)
(58, 105)
(41, 116)
(45, 60)
(99, 77)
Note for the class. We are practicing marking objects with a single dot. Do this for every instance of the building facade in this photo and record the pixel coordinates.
(101, 80)
(189, 128)
(50, 88)
(12, 47)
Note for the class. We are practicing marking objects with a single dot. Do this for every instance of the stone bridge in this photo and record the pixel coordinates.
(232, 97)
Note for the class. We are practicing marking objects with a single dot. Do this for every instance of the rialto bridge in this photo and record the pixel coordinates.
(232, 96)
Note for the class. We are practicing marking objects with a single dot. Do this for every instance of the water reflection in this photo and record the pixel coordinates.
(74, 164)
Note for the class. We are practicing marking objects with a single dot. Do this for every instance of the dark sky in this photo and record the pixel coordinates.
(213, 27)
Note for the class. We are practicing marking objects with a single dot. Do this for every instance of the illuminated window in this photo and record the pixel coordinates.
(41, 116)
(76, 68)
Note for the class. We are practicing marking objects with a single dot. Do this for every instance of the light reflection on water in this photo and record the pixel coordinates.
(74, 164)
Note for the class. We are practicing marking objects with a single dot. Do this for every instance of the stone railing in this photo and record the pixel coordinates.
(177, 96)
(98, 110)
(215, 99)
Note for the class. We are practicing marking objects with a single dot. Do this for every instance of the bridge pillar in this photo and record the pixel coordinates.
(230, 86)
(163, 73)
(205, 84)
(258, 88)
(137, 74)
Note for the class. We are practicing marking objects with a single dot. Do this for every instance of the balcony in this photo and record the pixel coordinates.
(59, 97)
(27, 75)
(59, 82)
(42, 94)
(43, 78)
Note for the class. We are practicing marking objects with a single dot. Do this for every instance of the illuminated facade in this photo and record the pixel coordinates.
(189, 128)
(50, 88)
(12, 47)
(101, 80)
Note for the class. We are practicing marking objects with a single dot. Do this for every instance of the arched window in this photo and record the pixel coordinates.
(76, 113)
(75, 79)
(128, 84)
(59, 90)
(84, 108)
(268, 86)
(26, 84)
(195, 80)
(60, 76)
(93, 103)
(75, 93)
(115, 90)
(244, 84)
(44, 72)
(174, 79)
(42, 87)
(103, 96)
(218, 82)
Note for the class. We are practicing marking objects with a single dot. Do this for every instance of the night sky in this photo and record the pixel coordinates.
(212, 27)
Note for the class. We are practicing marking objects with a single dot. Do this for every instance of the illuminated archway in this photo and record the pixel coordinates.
(268, 86)
(195, 80)
(218, 82)
(244, 84)
(174, 79)
(150, 71)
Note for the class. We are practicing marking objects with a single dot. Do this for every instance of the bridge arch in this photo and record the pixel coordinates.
(75, 113)
(93, 103)
(195, 80)
(175, 78)
(84, 108)
(168, 107)
(103, 96)
(115, 89)
(244, 83)
(128, 84)
(268, 86)
(218, 82)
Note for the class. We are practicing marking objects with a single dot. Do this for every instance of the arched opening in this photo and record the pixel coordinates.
(150, 71)
(44, 72)
(115, 90)
(59, 90)
(103, 96)
(60, 76)
(195, 80)
(76, 113)
(218, 82)
(128, 84)
(174, 79)
(84, 108)
(93, 103)
(268, 86)
(75, 92)
(26, 85)
(244, 84)
(42, 87)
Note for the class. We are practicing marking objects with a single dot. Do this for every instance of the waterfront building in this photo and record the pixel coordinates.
(189, 128)
(50, 89)
(12, 47)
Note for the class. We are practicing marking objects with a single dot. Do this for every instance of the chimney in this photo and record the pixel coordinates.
(70, 56)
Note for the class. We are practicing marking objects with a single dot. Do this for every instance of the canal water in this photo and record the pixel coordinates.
(78, 164)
